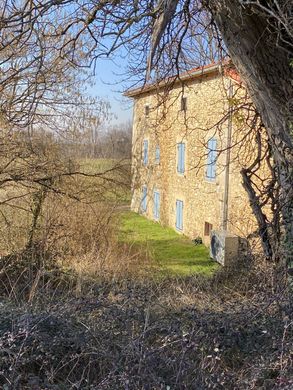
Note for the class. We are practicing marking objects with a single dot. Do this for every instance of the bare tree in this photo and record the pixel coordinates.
(83, 126)
(116, 141)
(164, 34)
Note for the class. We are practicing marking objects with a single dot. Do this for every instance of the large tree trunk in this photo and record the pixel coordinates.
(265, 69)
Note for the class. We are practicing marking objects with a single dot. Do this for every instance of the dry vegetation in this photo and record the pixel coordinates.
(127, 333)
(79, 313)
(81, 310)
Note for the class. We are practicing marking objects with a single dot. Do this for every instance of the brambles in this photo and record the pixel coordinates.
(179, 333)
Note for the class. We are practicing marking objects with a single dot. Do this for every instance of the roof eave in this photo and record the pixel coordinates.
(184, 77)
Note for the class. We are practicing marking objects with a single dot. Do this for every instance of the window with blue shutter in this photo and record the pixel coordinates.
(179, 215)
(156, 205)
(157, 154)
(145, 152)
(181, 157)
(144, 198)
(212, 158)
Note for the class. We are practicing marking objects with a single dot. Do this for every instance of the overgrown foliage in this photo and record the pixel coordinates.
(184, 334)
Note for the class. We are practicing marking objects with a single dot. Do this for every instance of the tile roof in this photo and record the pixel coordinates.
(225, 68)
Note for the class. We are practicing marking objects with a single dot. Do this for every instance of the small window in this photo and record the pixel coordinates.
(180, 157)
(179, 215)
(157, 154)
(212, 159)
(144, 198)
(147, 110)
(156, 205)
(145, 152)
(184, 104)
(208, 227)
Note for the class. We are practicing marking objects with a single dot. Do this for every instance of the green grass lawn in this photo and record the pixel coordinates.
(172, 253)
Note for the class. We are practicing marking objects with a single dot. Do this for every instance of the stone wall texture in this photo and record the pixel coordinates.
(166, 125)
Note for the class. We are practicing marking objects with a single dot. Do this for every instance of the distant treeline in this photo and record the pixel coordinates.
(112, 142)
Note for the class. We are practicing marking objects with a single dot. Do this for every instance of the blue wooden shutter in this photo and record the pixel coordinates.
(179, 214)
(209, 162)
(156, 205)
(181, 157)
(212, 157)
(157, 154)
(144, 198)
(145, 152)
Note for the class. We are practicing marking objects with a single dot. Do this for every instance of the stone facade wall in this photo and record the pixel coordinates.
(166, 125)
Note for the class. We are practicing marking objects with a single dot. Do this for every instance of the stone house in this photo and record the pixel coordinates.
(187, 153)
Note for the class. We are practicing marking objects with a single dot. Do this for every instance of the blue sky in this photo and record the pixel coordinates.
(110, 84)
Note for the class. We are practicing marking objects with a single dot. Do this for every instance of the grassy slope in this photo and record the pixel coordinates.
(173, 253)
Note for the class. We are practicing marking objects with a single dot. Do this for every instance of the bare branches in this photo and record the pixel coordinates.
(280, 18)
(165, 12)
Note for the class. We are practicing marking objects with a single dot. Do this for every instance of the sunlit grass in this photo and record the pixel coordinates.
(95, 165)
(170, 252)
